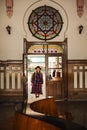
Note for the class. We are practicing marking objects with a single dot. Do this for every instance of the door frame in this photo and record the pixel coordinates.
(28, 44)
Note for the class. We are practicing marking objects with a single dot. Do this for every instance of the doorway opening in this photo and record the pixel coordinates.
(50, 56)
(32, 62)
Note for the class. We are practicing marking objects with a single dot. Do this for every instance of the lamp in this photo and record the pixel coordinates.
(80, 29)
(8, 28)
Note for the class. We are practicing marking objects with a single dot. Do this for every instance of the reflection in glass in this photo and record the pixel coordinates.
(55, 62)
(54, 67)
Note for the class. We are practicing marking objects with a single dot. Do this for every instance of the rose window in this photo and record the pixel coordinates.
(45, 23)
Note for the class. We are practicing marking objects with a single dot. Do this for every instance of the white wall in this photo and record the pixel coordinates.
(11, 46)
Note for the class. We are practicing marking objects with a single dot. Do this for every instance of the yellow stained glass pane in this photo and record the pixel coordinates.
(43, 49)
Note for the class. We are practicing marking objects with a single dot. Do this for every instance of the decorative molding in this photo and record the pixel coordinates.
(80, 7)
(9, 8)
(45, 22)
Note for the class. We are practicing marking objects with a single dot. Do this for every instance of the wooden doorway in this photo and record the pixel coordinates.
(31, 62)
(55, 59)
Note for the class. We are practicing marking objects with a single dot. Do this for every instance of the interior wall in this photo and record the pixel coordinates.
(11, 46)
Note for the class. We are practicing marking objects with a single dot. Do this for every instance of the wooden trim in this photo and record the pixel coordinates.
(76, 61)
(10, 90)
(78, 67)
(64, 55)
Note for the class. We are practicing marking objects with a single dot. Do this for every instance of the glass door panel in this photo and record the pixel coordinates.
(54, 67)
(55, 76)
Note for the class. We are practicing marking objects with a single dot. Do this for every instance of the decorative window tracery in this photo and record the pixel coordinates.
(45, 49)
(45, 23)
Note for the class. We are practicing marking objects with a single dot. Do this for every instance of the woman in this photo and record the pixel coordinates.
(37, 81)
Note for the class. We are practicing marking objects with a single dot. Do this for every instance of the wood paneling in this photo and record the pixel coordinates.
(11, 80)
(55, 89)
(77, 79)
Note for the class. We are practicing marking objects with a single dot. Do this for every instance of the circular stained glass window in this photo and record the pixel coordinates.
(45, 23)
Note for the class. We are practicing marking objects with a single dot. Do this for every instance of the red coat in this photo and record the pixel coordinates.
(37, 81)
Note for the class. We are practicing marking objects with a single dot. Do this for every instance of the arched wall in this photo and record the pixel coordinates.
(51, 3)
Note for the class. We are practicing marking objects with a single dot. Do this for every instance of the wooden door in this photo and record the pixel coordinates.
(55, 60)
(54, 78)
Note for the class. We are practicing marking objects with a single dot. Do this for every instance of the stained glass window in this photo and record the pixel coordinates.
(45, 49)
(45, 22)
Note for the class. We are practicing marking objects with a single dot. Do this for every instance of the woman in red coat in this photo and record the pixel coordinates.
(37, 81)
